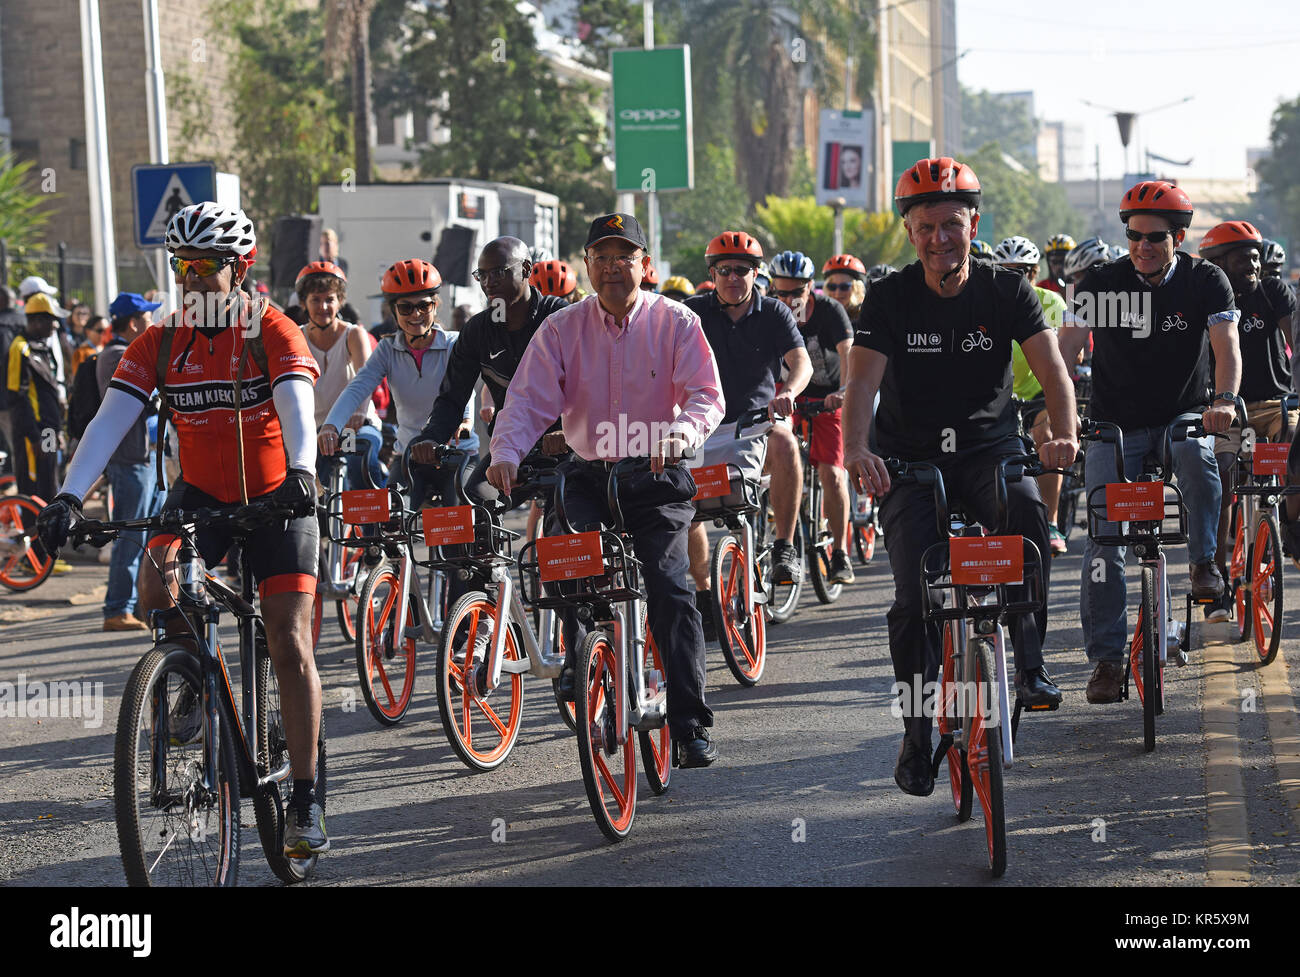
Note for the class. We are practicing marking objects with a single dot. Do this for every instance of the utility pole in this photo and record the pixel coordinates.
(652, 198)
(103, 250)
(159, 152)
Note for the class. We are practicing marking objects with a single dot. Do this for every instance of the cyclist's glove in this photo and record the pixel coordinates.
(55, 521)
(297, 491)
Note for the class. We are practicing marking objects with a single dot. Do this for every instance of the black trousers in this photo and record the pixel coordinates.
(657, 512)
(908, 519)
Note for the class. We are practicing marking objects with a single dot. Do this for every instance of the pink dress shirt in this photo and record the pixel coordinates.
(617, 387)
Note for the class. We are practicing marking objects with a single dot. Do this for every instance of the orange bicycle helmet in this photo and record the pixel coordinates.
(410, 277)
(705, 286)
(929, 180)
(1224, 237)
(845, 264)
(320, 268)
(733, 244)
(1159, 198)
(553, 277)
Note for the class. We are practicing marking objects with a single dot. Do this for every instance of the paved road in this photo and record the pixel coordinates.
(803, 794)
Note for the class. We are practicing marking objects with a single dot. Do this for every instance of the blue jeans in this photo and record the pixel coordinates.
(1103, 603)
(134, 497)
(368, 439)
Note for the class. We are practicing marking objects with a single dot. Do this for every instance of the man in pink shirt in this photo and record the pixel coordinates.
(630, 374)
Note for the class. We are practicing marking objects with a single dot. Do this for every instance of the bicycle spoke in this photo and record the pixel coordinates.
(492, 717)
(608, 778)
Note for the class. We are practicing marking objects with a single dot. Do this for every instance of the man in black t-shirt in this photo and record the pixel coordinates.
(827, 333)
(1152, 317)
(1266, 306)
(752, 337)
(935, 340)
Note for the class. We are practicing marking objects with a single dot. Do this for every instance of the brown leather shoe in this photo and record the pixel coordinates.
(1206, 581)
(1106, 682)
(124, 622)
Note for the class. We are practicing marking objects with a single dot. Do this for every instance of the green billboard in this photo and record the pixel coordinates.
(652, 120)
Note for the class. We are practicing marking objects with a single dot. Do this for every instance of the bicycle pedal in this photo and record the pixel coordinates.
(1042, 707)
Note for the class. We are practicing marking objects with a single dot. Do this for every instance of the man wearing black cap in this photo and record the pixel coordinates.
(130, 471)
(630, 374)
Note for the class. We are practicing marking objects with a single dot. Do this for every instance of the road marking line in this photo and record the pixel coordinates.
(1283, 730)
(1227, 856)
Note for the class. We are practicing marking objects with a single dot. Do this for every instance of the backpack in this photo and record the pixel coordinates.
(84, 398)
(253, 347)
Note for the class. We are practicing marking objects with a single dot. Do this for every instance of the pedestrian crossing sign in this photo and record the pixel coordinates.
(162, 189)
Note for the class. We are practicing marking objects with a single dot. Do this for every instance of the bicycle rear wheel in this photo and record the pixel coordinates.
(1266, 588)
(462, 657)
(864, 542)
(270, 803)
(985, 757)
(657, 744)
(385, 656)
(1145, 660)
(170, 828)
(819, 548)
(741, 629)
(608, 769)
(1239, 578)
(782, 599)
(22, 568)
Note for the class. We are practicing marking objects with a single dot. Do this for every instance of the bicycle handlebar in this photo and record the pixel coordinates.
(245, 520)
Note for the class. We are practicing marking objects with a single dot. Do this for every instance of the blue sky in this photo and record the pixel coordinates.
(1237, 60)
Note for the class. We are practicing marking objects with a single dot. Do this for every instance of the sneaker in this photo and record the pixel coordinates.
(1057, 541)
(704, 604)
(185, 719)
(698, 751)
(124, 622)
(304, 831)
(1105, 684)
(785, 562)
(840, 572)
(61, 567)
(1220, 610)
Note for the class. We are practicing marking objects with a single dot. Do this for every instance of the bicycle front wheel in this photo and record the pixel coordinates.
(1239, 578)
(782, 599)
(21, 568)
(385, 655)
(1266, 589)
(481, 726)
(741, 628)
(171, 829)
(985, 756)
(1146, 660)
(608, 768)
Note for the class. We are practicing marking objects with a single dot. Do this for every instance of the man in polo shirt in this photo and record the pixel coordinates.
(629, 373)
(751, 337)
(935, 340)
(1149, 367)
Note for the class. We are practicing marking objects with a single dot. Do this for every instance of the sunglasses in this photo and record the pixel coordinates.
(838, 287)
(1155, 237)
(492, 274)
(778, 293)
(414, 308)
(203, 267)
(733, 271)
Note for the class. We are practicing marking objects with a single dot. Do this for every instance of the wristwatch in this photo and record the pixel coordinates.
(1229, 397)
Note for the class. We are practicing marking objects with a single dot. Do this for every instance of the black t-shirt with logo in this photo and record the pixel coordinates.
(947, 386)
(1265, 365)
(826, 328)
(1150, 358)
(750, 352)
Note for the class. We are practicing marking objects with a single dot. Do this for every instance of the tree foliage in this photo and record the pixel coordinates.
(991, 117)
(22, 213)
(1020, 202)
(799, 224)
(692, 218)
(1279, 191)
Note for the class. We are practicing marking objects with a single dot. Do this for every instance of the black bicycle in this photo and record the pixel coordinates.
(184, 752)
(817, 540)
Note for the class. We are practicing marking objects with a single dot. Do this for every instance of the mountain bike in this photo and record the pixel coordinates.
(184, 752)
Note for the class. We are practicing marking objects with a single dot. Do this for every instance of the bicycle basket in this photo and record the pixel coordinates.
(1163, 508)
(986, 568)
(579, 568)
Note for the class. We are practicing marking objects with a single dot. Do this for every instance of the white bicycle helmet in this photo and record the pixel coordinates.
(877, 272)
(792, 264)
(210, 226)
(1017, 250)
(1084, 255)
(1116, 251)
(762, 276)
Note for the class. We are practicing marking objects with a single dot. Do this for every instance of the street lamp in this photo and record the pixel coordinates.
(920, 78)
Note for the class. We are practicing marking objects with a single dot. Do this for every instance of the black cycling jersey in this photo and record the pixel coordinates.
(826, 328)
(750, 352)
(488, 349)
(1150, 359)
(1265, 365)
(947, 386)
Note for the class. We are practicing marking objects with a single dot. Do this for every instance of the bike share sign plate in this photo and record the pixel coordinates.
(569, 557)
(448, 525)
(711, 481)
(980, 560)
(1135, 501)
(1270, 459)
(363, 506)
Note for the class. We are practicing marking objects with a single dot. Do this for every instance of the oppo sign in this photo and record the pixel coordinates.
(649, 115)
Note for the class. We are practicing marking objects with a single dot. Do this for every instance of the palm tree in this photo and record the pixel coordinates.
(347, 41)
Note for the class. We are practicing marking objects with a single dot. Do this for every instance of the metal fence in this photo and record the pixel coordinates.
(74, 275)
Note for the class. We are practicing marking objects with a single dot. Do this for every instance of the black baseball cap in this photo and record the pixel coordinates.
(617, 225)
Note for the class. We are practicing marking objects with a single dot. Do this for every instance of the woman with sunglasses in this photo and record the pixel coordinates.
(413, 360)
(844, 280)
